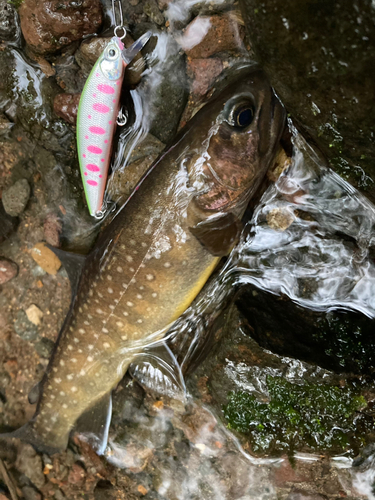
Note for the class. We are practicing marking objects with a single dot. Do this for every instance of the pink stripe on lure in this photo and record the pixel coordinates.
(96, 122)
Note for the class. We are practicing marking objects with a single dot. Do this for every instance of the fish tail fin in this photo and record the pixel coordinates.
(28, 434)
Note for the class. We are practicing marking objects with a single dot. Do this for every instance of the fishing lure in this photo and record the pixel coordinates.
(98, 112)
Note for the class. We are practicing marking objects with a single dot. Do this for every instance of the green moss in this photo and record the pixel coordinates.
(299, 416)
(15, 3)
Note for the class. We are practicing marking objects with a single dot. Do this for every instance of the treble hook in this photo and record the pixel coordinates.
(119, 26)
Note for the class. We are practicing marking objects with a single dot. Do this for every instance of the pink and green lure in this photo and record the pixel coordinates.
(97, 114)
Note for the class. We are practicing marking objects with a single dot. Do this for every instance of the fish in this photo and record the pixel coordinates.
(98, 113)
(150, 262)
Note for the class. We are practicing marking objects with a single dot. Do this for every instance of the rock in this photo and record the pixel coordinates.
(90, 50)
(8, 21)
(279, 219)
(15, 198)
(66, 107)
(34, 314)
(303, 495)
(30, 493)
(203, 73)
(52, 229)
(24, 328)
(4, 380)
(50, 26)
(77, 475)
(317, 56)
(206, 36)
(8, 270)
(45, 258)
(44, 347)
(151, 10)
(30, 463)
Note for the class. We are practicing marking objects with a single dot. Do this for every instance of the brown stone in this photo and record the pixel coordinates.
(66, 107)
(203, 73)
(50, 25)
(76, 475)
(8, 270)
(45, 258)
(206, 36)
(52, 230)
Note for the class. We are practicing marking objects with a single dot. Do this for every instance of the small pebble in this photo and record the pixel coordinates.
(30, 493)
(8, 270)
(279, 219)
(15, 198)
(24, 328)
(44, 347)
(45, 258)
(52, 229)
(34, 314)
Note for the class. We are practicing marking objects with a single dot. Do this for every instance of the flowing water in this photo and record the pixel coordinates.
(310, 238)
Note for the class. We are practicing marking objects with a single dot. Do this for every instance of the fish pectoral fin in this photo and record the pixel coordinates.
(28, 434)
(73, 264)
(157, 370)
(218, 234)
(35, 392)
(93, 425)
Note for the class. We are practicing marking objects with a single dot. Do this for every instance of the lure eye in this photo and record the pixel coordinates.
(240, 114)
(111, 54)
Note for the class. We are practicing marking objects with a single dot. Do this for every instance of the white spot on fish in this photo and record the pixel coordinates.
(86, 323)
(119, 324)
(73, 360)
(90, 358)
(82, 373)
(139, 296)
(104, 330)
(132, 242)
(49, 405)
(150, 277)
(74, 389)
(70, 376)
(62, 362)
(106, 345)
(90, 347)
(80, 310)
(154, 294)
(110, 290)
(70, 347)
(129, 258)
(99, 311)
(55, 369)
(130, 304)
(81, 330)
(57, 380)
(139, 321)
(131, 269)
(167, 264)
(109, 277)
(119, 269)
(124, 337)
(125, 313)
(112, 307)
(62, 393)
(76, 340)
(65, 406)
(144, 244)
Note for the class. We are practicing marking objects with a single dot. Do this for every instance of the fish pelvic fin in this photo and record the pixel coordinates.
(28, 434)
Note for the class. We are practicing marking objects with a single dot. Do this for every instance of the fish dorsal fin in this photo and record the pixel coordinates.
(93, 425)
(157, 370)
(218, 234)
(73, 264)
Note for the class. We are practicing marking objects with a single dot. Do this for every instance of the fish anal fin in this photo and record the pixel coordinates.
(73, 264)
(93, 425)
(218, 234)
(35, 393)
(158, 371)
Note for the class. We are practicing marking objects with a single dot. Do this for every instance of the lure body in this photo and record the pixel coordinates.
(96, 121)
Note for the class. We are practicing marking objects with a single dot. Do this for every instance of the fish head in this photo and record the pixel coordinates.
(243, 125)
(111, 62)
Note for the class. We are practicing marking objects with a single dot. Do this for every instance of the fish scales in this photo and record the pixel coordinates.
(151, 261)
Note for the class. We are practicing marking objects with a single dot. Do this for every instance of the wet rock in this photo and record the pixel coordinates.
(66, 107)
(279, 219)
(206, 36)
(302, 495)
(15, 198)
(90, 50)
(77, 475)
(8, 270)
(47, 27)
(8, 21)
(24, 328)
(151, 9)
(169, 99)
(45, 258)
(203, 73)
(30, 464)
(30, 493)
(318, 55)
(52, 230)
(44, 347)
(34, 314)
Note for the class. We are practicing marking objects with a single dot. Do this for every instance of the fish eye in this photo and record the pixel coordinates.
(241, 114)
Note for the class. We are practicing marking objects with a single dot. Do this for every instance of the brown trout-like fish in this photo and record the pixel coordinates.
(151, 261)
